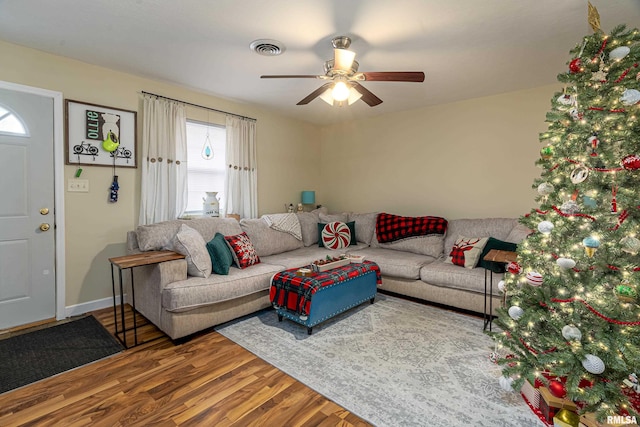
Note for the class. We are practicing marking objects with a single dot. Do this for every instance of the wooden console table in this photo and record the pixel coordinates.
(129, 262)
(498, 257)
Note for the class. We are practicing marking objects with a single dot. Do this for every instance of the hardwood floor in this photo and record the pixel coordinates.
(205, 381)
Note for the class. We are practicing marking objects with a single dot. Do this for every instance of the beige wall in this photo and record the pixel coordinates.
(469, 159)
(96, 229)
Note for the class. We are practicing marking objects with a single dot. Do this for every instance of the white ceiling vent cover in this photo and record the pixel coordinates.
(267, 47)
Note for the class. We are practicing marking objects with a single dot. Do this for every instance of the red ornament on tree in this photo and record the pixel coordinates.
(631, 162)
(557, 389)
(575, 66)
(514, 268)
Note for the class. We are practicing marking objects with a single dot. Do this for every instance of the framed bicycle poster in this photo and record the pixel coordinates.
(100, 136)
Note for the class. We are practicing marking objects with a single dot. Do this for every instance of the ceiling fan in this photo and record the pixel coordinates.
(343, 86)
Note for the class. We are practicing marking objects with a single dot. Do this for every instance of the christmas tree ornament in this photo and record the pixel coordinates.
(626, 293)
(515, 312)
(505, 383)
(545, 227)
(630, 97)
(589, 202)
(594, 142)
(575, 66)
(576, 114)
(631, 162)
(570, 207)
(514, 268)
(566, 263)
(545, 189)
(591, 245)
(571, 333)
(557, 388)
(502, 286)
(566, 99)
(534, 278)
(630, 245)
(618, 53)
(593, 364)
(600, 75)
(579, 174)
(546, 152)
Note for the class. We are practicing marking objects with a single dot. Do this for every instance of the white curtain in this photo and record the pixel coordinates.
(164, 156)
(241, 179)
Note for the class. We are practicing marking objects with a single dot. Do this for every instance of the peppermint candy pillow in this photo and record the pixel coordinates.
(335, 235)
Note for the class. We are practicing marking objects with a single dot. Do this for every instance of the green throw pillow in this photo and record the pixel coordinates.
(220, 254)
(492, 243)
(352, 229)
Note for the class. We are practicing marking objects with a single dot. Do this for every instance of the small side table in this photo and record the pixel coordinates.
(498, 257)
(129, 262)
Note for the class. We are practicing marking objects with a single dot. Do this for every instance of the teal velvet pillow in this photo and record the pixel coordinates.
(352, 229)
(492, 243)
(220, 254)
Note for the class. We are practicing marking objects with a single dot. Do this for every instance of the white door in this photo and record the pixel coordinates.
(27, 218)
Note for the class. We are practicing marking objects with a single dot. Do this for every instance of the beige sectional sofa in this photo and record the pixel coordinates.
(181, 305)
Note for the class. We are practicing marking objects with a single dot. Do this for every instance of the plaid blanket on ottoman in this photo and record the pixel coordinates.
(390, 228)
(295, 292)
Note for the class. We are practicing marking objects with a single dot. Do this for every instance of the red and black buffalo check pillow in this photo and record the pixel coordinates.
(243, 252)
(390, 228)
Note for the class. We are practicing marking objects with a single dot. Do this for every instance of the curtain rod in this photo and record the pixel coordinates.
(198, 106)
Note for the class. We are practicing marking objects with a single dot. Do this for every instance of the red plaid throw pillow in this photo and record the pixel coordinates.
(466, 251)
(242, 250)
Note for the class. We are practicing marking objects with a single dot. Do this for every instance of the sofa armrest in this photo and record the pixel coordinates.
(150, 281)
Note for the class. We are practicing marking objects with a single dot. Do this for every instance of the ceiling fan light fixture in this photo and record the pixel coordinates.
(340, 91)
(343, 59)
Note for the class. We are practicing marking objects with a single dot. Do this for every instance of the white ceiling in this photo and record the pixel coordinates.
(467, 48)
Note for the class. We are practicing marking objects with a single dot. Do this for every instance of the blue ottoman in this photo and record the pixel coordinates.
(312, 300)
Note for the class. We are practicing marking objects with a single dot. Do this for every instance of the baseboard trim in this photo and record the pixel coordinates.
(86, 307)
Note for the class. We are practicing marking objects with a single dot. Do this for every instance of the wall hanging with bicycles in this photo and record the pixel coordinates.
(100, 136)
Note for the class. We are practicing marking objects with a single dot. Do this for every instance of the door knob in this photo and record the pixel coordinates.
(44, 211)
(44, 226)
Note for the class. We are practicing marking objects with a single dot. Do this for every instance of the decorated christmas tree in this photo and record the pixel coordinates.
(571, 321)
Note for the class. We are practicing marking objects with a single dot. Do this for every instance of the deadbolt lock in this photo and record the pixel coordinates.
(44, 211)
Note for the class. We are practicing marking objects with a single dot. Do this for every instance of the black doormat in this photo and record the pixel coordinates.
(36, 355)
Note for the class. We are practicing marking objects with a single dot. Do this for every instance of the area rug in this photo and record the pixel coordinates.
(392, 363)
(40, 354)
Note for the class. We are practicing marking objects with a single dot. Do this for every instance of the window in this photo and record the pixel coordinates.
(10, 123)
(205, 175)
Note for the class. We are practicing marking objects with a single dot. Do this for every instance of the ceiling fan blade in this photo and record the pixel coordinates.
(292, 76)
(394, 76)
(367, 95)
(316, 93)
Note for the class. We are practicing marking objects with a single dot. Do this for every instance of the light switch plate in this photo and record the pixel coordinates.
(78, 185)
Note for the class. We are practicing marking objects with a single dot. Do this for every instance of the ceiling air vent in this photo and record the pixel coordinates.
(267, 47)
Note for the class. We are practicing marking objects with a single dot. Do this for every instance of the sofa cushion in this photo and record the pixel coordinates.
(518, 233)
(365, 225)
(440, 273)
(324, 243)
(220, 254)
(493, 243)
(404, 265)
(309, 225)
(432, 245)
(466, 251)
(340, 217)
(190, 243)
(196, 292)
(242, 250)
(155, 237)
(266, 240)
